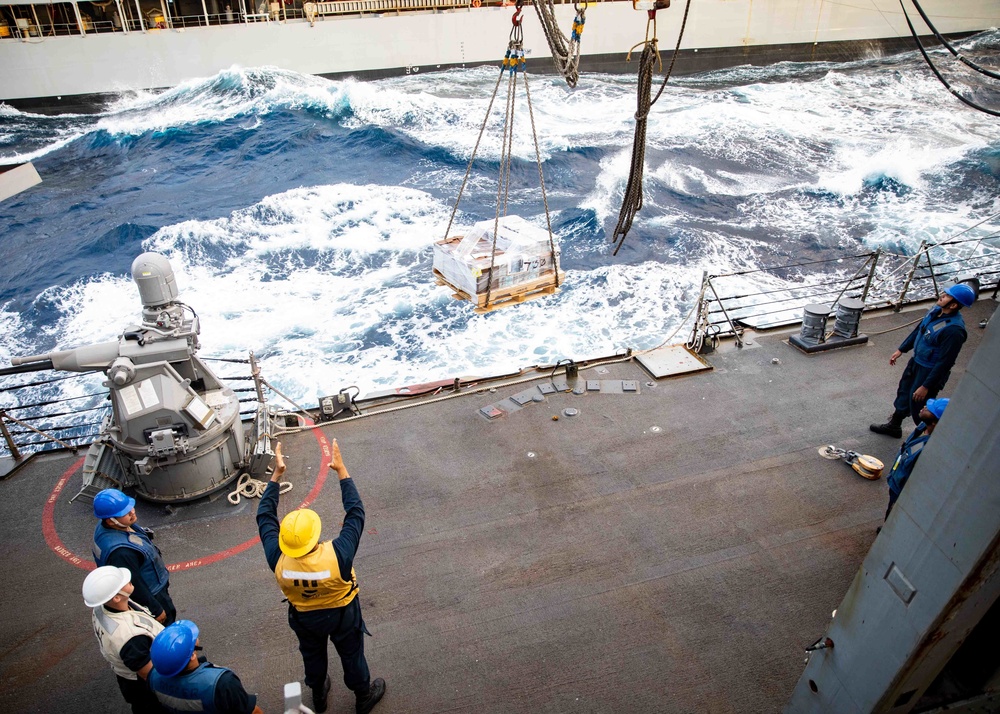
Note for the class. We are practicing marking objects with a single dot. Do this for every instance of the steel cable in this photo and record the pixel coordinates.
(937, 73)
(958, 55)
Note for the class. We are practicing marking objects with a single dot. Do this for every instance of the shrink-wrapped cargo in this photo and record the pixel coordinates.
(524, 259)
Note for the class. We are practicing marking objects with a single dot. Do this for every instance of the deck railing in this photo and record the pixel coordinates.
(75, 421)
(879, 279)
(29, 21)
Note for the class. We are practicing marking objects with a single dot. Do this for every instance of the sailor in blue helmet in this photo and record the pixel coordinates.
(911, 449)
(935, 342)
(120, 542)
(183, 682)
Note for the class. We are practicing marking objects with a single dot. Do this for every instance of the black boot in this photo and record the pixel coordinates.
(892, 428)
(319, 697)
(367, 703)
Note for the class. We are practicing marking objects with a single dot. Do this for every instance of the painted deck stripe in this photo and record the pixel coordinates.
(85, 563)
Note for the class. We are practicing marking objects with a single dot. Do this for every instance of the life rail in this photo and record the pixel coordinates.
(72, 422)
(879, 279)
(362, 7)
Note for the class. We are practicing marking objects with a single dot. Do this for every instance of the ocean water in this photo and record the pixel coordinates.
(299, 213)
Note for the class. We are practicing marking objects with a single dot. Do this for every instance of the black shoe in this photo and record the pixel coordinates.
(888, 429)
(319, 697)
(375, 692)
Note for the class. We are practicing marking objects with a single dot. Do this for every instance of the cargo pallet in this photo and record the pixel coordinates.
(505, 297)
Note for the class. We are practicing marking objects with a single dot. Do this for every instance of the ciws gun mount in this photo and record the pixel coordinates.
(174, 432)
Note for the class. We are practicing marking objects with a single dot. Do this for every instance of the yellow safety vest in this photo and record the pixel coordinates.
(313, 581)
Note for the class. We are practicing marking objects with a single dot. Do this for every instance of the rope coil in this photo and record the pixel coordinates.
(249, 487)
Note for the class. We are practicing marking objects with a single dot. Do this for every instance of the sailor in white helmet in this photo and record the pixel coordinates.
(125, 631)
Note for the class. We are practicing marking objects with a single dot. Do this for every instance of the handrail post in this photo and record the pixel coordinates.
(909, 277)
(694, 342)
(255, 373)
(14, 452)
(736, 333)
(854, 277)
(871, 274)
(930, 267)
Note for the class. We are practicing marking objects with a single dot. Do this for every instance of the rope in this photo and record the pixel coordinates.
(249, 487)
(541, 182)
(565, 53)
(38, 383)
(468, 169)
(672, 334)
(893, 329)
(632, 201)
(57, 401)
(514, 64)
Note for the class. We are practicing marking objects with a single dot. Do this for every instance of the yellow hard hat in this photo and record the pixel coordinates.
(299, 532)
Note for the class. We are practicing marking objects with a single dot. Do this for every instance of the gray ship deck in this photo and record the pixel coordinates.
(672, 550)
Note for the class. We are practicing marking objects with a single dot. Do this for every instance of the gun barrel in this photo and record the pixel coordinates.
(90, 358)
(35, 366)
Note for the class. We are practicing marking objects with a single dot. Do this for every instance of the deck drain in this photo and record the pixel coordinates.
(570, 411)
(655, 429)
(530, 454)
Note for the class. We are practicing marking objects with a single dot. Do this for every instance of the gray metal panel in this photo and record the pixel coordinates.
(942, 538)
(672, 360)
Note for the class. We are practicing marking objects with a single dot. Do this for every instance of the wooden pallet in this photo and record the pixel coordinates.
(504, 297)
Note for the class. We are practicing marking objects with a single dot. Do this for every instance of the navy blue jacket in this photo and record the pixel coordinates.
(906, 459)
(947, 343)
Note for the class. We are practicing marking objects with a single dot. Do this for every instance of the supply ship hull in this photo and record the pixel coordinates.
(66, 61)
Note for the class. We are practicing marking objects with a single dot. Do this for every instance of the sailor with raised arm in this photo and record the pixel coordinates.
(319, 581)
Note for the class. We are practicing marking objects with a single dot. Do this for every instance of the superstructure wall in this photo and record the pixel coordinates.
(729, 31)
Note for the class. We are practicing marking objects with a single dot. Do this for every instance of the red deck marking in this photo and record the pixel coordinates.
(49, 524)
(57, 546)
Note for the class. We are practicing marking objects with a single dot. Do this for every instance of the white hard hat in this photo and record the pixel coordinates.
(103, 584)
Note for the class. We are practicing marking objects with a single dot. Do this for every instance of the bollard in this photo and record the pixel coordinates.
(814, 324)
(848, 318)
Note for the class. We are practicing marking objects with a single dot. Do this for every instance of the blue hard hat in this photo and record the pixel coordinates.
(963, 293)
(172, 648)
(112, 503)
(936, 406)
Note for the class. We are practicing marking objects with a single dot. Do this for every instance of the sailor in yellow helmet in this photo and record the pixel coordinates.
(319, 581)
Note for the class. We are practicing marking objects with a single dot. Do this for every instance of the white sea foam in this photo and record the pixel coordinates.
(367, 311)
(331, 285)
(232, 93)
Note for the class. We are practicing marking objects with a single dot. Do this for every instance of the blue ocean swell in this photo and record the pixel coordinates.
(735, 178)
